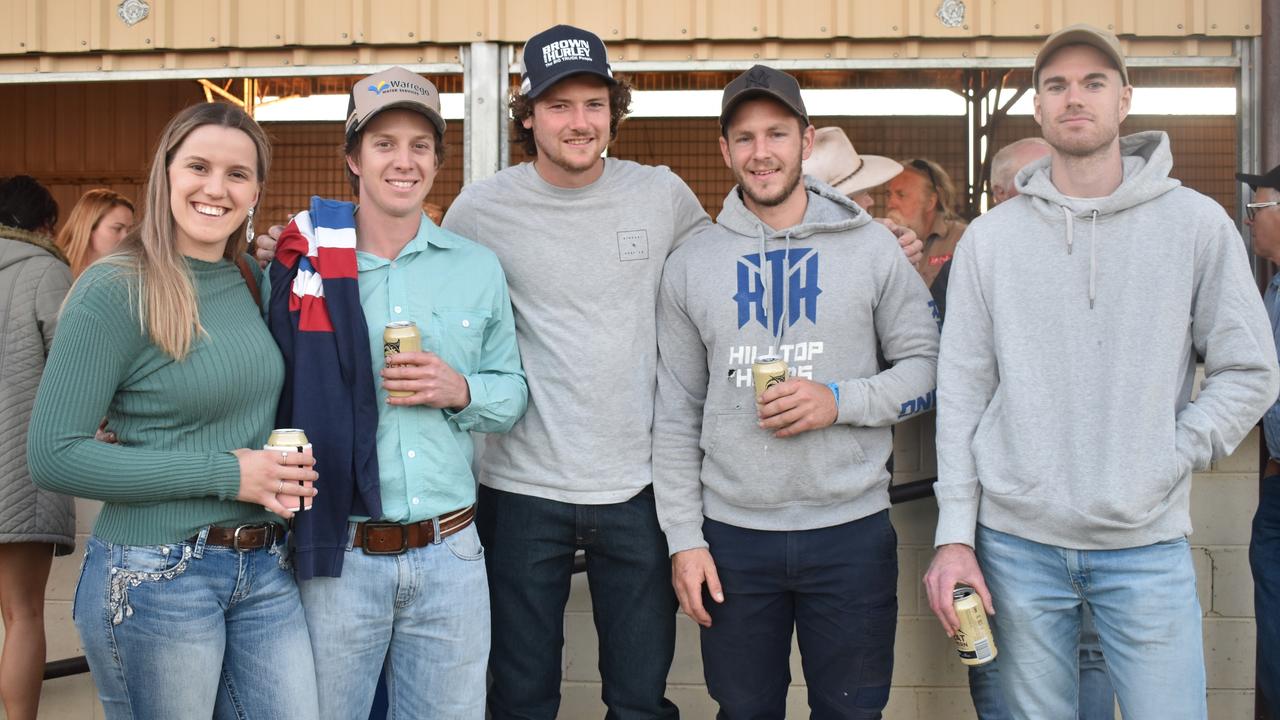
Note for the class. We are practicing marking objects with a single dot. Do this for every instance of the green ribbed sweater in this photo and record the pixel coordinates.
(172, 472)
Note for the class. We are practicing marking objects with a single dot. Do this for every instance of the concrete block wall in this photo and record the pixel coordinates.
(928, 681)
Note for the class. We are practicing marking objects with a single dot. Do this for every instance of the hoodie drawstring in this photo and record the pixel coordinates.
(1093, 252)
(765, 273)
(1093, 257)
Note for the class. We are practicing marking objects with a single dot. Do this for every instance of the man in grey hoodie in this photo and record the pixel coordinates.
(778, 510)
(1066, 433)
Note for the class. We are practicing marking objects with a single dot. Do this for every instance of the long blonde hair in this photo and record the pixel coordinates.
(167, 296)
(73, 238)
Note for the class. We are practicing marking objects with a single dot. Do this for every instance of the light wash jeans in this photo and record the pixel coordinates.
(423, 614)
(1097, 697)
(1144, 607)
(189, 631)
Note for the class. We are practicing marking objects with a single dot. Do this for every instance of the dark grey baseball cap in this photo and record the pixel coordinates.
(762, 81)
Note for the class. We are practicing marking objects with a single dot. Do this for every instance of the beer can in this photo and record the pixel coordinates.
(400, 336)
(973, 639)
(766, 372)
(291, 440)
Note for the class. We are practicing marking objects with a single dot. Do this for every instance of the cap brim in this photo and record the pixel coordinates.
(875, 170)
(434, 117)
(1255, 181)
(534, 92)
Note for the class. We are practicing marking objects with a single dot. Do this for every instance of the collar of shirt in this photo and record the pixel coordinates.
(428, 234)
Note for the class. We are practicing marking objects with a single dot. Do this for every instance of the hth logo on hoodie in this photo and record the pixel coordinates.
(795, 276)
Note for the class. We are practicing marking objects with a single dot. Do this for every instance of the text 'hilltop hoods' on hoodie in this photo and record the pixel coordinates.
(1069, 354)
(823, 295)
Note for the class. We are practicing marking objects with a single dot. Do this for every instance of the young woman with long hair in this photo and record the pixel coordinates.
(96, 226)
(186, 606)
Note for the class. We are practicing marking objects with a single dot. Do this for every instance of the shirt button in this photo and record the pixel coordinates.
(397, 309)
(466, 323)
(412, 454)
(393, 264)
(415, 501)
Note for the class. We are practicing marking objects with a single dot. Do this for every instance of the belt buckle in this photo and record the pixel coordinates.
(404, 538)
(235, 537)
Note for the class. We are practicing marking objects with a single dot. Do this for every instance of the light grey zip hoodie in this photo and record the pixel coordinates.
(834, 287)
(1069, 354)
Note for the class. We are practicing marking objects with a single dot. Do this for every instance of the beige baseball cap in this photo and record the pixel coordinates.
(836, 163)
(1081, 34)
(394, 87)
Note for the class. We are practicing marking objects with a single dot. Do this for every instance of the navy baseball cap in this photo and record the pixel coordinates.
(554, 54)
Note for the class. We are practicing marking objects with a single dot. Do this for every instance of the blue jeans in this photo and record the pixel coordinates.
(1097, 697)
(837, 586)
(423, 615)
(1264, 559)
(531, 543)
(194, 631)
(1144, 606)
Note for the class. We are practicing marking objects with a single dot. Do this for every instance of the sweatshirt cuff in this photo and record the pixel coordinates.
(224, 473)
(957, 521)
(684, 536)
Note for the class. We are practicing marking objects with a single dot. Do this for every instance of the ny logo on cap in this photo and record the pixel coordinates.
(758, 77)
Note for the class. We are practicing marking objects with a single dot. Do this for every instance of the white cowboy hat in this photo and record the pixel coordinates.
(835, 162)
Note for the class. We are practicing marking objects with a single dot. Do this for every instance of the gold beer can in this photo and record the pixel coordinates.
(973, 639)
(291, 440)
(400, 336)
(766, 372)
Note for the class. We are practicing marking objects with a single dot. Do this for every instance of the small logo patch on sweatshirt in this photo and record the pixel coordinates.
(633, 245)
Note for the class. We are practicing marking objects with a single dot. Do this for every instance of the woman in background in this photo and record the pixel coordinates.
(34, 524)
(186, 606)
(95, 227)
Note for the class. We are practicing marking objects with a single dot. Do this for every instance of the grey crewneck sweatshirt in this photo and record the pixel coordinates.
(583, 266)
(836, 287)
(1069, 354)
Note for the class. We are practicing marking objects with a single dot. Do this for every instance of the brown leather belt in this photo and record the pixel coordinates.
(243, 537)
(385, 538)
(1272, 469)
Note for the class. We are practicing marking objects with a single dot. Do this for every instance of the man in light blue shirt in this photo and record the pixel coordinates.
(412, 594)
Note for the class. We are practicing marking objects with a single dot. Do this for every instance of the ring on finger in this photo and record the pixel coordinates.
(279, 486)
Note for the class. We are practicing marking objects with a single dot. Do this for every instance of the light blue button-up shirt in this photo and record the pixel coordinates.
(456, 292)
(1271, 421)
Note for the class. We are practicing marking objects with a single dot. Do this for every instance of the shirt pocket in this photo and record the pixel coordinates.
(457, 335)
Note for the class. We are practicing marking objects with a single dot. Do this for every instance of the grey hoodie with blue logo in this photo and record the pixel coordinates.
(835, 288)
(1069, 354)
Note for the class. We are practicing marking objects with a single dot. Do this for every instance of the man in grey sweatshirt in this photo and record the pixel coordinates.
(1066, 431)
(582, 239)
(778, 510)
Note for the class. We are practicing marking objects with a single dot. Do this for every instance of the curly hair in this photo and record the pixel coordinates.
(522, 109)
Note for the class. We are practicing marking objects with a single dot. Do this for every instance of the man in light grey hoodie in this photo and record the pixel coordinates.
(779, 510)
(1066, 433)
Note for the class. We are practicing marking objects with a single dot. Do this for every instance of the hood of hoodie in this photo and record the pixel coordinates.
(26, 244)
(1147, 162)
(828, 211)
